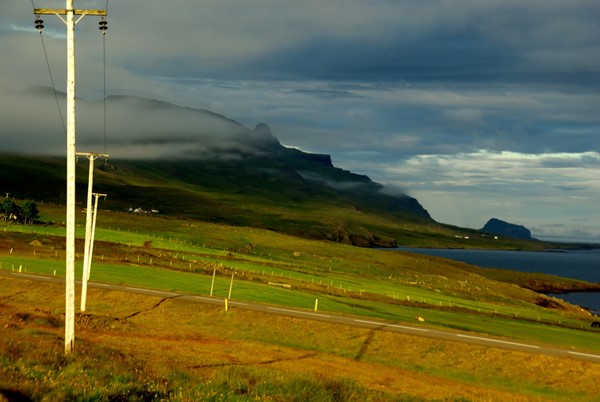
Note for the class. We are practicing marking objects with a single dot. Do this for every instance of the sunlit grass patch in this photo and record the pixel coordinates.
(175, 349)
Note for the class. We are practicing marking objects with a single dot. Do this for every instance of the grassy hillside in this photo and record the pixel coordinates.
(178, 254)
(284, 193)
(142, 348)
(134, 347)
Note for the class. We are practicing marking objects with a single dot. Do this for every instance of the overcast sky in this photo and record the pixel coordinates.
(477, 108)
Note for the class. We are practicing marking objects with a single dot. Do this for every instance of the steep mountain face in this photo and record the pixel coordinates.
(502, 228)
(267, 169)
(202, 140)
(186, 161)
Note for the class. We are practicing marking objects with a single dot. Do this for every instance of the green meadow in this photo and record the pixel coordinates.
(182, 255)
(145, 348)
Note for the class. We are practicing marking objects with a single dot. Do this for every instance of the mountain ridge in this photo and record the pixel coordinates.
(195, 163)
(192, 162)
(196, 138)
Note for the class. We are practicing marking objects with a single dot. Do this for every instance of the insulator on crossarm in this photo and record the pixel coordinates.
(103, 26)
(39, 24)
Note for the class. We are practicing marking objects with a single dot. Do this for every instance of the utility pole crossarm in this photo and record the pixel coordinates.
(91, 155)
(63, 11)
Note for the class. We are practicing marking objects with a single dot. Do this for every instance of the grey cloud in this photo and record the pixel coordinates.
(570, 188)
(589, 160)
(394, 190)
(136, 128)
(457, 40)
(327, 93)
(450, 41)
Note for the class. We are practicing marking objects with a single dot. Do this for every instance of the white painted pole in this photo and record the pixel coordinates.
(70, 246)
(89, 227)
(88, 234)
(93, 232)
(231, 285)
(90, 250)
(69, 12)
(212, 284)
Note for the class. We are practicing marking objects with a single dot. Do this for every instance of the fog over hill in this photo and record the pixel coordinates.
(152, 130)
(136, 128)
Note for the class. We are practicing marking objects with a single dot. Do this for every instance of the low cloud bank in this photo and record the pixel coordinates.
(135, 128)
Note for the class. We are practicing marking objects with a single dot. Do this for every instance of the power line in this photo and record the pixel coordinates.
(103, 30)
(104, 76)
(40, 25)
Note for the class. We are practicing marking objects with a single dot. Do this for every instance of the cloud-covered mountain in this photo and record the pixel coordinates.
(202, 147)
(132, 128)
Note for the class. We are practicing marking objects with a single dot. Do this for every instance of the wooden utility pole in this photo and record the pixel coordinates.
(231, 285)
(90, 251)
(69, 12)
(212, 284)
(96, 195)
(89, 235)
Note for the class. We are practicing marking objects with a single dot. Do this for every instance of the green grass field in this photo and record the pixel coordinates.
(135, 347)
(181, 255)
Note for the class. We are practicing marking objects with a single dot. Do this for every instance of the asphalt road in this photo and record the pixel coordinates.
(408, 329)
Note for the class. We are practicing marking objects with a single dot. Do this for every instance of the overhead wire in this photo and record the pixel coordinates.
(62, 120)
(104, 76)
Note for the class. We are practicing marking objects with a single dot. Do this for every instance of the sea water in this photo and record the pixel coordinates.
(577, 264)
